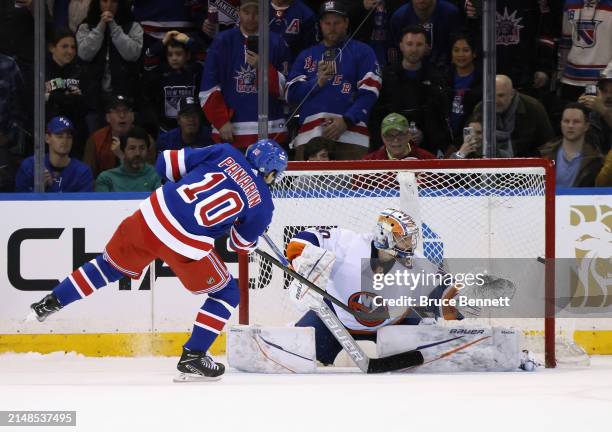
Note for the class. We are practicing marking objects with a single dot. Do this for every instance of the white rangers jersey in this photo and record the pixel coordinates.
(586, 42)
(353, 252)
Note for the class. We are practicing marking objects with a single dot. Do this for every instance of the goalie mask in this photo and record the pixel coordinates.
(396, 233)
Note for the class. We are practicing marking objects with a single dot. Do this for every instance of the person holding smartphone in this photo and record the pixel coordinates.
(228, 93)
(335, 83)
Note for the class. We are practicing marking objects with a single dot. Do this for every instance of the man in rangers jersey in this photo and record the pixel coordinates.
(228, 93)
(585, 46)
(295, 22)
(210, 192)
(336, 84)
(392, 248)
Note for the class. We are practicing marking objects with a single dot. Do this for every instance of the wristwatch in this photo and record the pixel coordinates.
(459, 155)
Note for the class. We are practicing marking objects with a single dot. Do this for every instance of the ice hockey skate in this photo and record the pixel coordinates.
(198, 366)
(45, 307)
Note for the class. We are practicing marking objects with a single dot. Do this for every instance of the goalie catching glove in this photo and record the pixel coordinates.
(493, 288)
(315, 264)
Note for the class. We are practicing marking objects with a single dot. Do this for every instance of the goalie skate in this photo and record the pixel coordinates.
(198, 366)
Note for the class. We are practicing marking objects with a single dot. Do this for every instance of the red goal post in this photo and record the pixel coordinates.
(480, 208)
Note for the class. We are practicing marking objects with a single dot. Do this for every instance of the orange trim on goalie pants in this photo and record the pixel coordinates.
(294, 250)
(133, 246)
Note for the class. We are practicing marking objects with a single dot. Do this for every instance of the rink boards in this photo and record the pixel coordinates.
(46, 236)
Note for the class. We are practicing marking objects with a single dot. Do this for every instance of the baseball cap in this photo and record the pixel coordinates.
(118, 100)
(394, 121)
(334, 6)
(245, 3)
(59, 124)
(188, 104)
(606, 75)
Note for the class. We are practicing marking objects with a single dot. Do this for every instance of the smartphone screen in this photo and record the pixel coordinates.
(329, 58)
(253, 43)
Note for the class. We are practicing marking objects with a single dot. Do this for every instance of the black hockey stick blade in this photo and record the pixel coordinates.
(395, 362)
(379, 313)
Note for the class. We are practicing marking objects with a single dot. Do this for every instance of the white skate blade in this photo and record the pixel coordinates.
(188, 377)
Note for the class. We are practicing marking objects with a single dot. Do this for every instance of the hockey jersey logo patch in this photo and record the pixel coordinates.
(585, 35)
(246, 80)
(508, 28)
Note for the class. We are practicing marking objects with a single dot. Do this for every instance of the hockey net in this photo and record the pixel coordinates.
(466, 209)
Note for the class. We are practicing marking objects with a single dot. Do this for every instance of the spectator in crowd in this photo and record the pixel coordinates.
(295, 23)
(102, 150)
(525, 43)
(585, 48)
(439, 18)
(577, 159)
(191, 131)
(471, 142)
(399, 141)
(109, 45)
(68, 13)
(17, 41)
(63, 85)
(11, 113)
(413, 88)
(161, 16)
(228, 93)
(601, 107)
(372, 17)
(522, 123)
(336, 84)
(464, 83)
(319, 149)
(604, 178)
(227, 17)
(134, 174)
(177, 78)
(62, 173)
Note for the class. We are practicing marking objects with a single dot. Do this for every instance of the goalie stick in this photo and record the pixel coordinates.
(395, 362)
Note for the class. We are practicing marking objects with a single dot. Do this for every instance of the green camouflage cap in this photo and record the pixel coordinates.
(394, 121)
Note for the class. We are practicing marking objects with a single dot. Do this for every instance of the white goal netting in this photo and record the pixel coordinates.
(484, 213)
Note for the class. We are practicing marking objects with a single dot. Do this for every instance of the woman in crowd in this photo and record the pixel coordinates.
(464, 83)
(109, 44)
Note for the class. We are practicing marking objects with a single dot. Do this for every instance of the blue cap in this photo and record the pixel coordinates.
(59, 124)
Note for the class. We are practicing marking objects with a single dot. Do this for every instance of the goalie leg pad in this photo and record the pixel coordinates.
(271, 349)
(454, 349)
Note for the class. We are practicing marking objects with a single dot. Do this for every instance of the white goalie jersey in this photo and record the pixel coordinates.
(352, 277)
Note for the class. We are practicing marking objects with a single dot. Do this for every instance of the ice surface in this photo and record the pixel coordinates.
(137, 394)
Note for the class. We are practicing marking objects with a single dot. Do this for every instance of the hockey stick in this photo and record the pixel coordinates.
(375, 315)
(395, 362)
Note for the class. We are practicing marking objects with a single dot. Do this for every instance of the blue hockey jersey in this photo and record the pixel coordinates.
(296, 24)
(229, 88)
(351, 93)
(444, 21)
(211, 191)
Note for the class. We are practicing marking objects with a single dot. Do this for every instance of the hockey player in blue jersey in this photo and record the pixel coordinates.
(210, 192)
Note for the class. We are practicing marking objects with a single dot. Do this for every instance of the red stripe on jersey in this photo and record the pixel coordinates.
(210, 321)
(318, 122)
(176, 173)
(80, 280)
(370, 82)
(161, 217)
(243, 141)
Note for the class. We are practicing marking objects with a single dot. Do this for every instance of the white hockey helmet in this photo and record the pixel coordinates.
(396, 233)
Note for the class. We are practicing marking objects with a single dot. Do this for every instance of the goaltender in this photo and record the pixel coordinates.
(348, 266)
